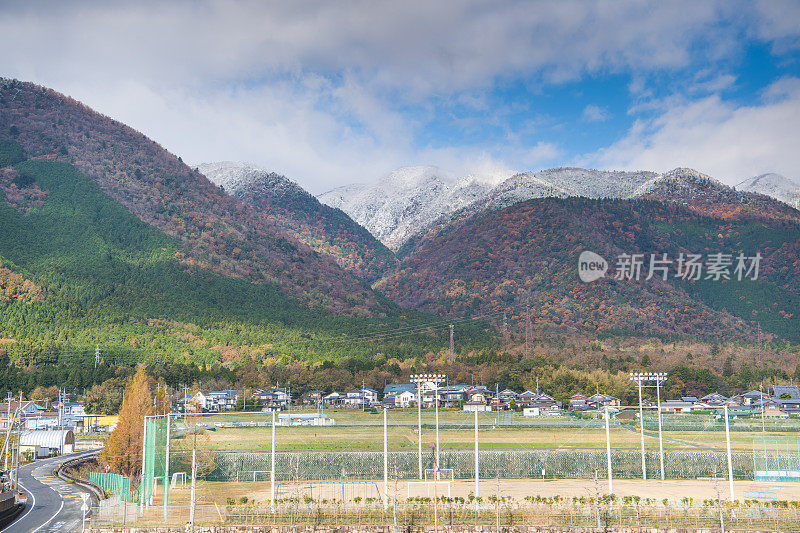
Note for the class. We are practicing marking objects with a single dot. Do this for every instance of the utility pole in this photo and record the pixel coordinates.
(385, 462)
(452, 355)
(419, 426)
(608, 452)
(272, 469)
(477, 462)
(144, 456)
(192, 502)
(166, 469)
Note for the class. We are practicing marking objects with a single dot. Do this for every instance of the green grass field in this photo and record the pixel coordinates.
(355, 430)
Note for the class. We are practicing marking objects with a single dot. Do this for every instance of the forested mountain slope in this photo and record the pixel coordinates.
(298, 213)
(215, 231)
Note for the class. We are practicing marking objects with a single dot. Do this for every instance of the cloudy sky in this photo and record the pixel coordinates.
(330, 93)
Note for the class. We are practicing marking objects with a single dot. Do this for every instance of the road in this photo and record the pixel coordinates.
(53, 505)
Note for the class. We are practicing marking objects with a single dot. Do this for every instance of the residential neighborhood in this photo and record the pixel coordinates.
(777, 401)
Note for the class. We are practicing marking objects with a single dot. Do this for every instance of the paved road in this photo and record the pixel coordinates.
(53, 505)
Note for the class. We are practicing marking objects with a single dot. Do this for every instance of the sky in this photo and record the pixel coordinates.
(330, 93)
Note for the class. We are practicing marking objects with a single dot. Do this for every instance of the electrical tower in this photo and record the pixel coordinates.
(96, 356)
(452, 354)
(528, 329)
(505, 331)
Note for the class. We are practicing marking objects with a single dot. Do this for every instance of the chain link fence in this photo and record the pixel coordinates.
(506, 464)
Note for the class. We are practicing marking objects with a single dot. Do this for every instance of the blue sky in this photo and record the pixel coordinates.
(330, 93)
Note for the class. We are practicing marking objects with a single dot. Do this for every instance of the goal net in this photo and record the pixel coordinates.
(429, 489)
(252, 475)
(444, 474)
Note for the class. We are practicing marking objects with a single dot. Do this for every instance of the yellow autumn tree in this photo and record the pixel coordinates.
(123, 451)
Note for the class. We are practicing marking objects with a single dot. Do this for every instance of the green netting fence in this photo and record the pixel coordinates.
(113, 484)
(154, 458)
(776, 459)
(507, 464)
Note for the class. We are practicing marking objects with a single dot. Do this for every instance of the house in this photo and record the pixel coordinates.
(750, 397)
(453, 395)
(599, 401)
(788, 397)
(272, 399)
(223, 400)
(334, 399)
(361, 398)
(478, 396)
(195, 403)
(677, 406)
(28, 408)
(526, 398)
(401, 395)
(578, 400)
(690, 399)
(506, 396)
(545, 401)
(714, 399)
(769, 407)
(313, 397)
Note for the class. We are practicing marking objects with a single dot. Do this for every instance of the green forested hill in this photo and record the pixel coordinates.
(106, 277)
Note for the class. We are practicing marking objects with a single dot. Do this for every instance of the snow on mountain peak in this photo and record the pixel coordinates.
(777, 186)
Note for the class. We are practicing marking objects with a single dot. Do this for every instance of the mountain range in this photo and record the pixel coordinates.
(301, 216)
(107, 231)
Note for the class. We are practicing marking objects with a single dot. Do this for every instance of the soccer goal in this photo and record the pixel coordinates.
(429, 489)
(344, 491)
(178, 477)
(252, 475)
(444, 474)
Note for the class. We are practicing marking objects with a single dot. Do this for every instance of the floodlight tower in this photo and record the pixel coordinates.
(640, 378)
(419, 379)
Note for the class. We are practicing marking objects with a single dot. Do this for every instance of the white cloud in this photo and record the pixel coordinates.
(716, 137)
(594, 113)
(334, 92)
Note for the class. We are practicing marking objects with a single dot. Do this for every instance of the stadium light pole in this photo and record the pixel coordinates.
(660, 377)
(730, 458)
(637, 377)
(640, 378)
(416, 378)
(436, 379)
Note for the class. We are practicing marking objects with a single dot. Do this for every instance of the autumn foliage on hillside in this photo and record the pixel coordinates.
(498, 261)
(123, 450)
(217, 232)
(325, 229)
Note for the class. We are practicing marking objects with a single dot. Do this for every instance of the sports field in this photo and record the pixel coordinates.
(364, 431)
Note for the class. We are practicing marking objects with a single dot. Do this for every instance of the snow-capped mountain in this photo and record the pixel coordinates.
(775, 185)
(234, 177)
(409, 199)
(299, 214)
(563, 182)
